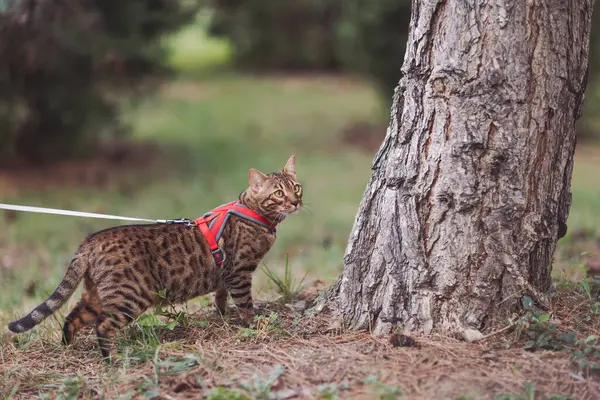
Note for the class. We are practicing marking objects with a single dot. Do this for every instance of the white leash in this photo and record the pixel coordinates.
(42, 210)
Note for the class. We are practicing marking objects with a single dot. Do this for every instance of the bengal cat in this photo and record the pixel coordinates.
(125, 267)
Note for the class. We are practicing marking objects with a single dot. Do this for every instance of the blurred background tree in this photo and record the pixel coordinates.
(280, 35)
(361, 36)
(65, 63)
(589, 125)
(372, 38)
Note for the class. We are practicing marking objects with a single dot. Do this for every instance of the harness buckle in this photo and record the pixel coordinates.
(218, 255)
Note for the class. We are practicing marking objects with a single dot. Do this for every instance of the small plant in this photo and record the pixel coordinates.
(200, 323)
(543, 334)
(68, 388)
(126, 396)
(147, 330)
(529, 389)
(177, 365)
(12, 392)
(329, 391)
(382, 390)
(587, 354)
(261, 388)
(147, 388)
(221, 393)
(263, 325)
(286, 285)
(587, 283)
(248, 333)
(537, 328)
(176, 317)
(23, 341)
(267, 323)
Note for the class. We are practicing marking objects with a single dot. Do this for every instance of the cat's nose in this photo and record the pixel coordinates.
(295, 203)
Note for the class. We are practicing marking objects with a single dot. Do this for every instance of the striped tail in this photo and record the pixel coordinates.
(62, 293)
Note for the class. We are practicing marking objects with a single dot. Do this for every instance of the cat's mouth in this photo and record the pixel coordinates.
(294, 210)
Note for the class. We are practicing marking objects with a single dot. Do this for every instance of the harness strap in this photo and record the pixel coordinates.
(213, 223)
(210, 238)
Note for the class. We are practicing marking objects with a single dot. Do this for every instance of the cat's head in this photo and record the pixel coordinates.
(275, 195)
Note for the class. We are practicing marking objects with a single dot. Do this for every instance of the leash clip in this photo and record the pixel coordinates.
(186, 221)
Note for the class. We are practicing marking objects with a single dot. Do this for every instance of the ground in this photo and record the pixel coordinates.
(291, 354)
(193, 144)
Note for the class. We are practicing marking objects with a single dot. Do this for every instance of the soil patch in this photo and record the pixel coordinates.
(117, 163)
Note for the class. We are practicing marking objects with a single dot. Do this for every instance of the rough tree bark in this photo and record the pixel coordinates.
(470, 190)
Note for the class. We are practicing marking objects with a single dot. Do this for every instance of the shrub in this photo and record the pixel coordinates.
(279, 35)
(589, 125)
(364, 36)
(372, 38)
(64, 64)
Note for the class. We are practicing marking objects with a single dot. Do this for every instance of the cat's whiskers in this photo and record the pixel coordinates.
(307, 208)
(279, 216)
(309, 213)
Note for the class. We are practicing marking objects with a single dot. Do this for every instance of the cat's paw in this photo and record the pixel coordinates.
(221, 312)
(246, 320)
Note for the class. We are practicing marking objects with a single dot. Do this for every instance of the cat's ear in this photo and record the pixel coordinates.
(256, 179)
(290, 166)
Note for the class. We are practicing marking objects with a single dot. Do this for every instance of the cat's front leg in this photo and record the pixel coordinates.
(221, 299)
(239, 286)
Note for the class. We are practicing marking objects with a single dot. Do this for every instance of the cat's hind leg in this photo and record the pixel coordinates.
(85, 313)
(120, 306)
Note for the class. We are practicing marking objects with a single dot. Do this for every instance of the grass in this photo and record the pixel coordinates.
(213, 132)
(289, 355)
(210, 129)
(287, 286)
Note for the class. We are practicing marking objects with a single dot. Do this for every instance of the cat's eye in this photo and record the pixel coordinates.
(278, 193)
(297, 188)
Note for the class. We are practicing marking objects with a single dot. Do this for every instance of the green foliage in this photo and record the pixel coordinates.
(64, 64)
(271, 34)
(69, 388)
(381, 390)
(176, 365)
(528, 388)
(331, 391)
(259, 387)
(265, 326)
(364, 36)
(589, 126)
(146, 334)
(542, 333)
(193, 53)
(222, 393)
(372, 40)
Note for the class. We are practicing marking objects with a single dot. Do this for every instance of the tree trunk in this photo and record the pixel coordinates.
(470, 190)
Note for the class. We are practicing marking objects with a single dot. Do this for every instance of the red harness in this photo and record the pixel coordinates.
(213, 222)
